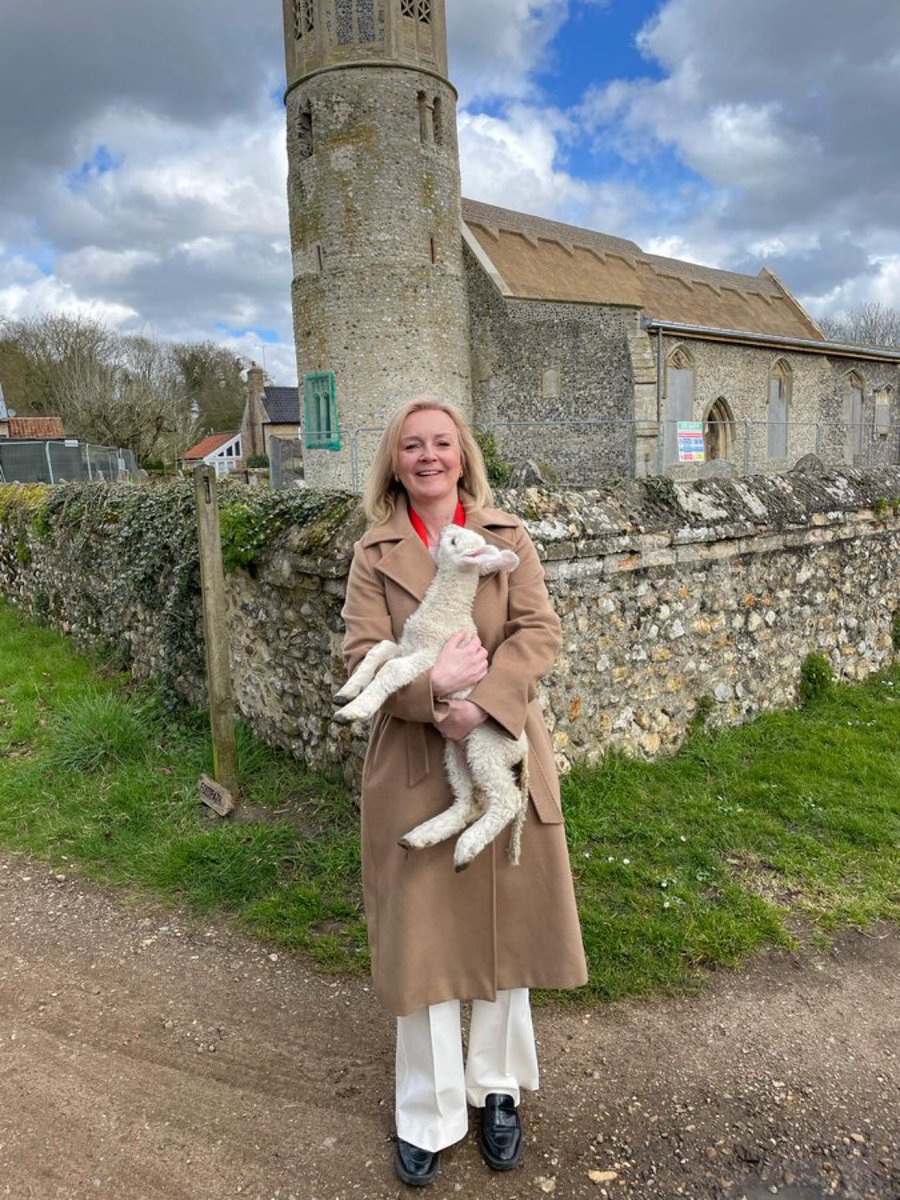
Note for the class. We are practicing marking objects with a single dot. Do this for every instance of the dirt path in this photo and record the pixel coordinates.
(144, 1056)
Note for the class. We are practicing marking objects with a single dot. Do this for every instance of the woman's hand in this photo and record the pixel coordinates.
(461, 663)
(463, 717)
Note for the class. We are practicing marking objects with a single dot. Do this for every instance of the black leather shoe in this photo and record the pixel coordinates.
(414, 1166)
(502, 1143)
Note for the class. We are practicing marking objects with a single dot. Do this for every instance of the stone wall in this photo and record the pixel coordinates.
(541, 370)
(668, 591)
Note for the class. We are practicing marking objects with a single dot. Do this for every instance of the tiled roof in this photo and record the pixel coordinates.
(36, 427)
(545, 260)
(208, 445)
(282, 405)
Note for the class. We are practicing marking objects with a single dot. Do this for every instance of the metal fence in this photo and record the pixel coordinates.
(285, 463)
(69, 460)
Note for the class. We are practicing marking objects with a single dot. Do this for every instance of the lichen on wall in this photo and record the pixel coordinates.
(672, 595)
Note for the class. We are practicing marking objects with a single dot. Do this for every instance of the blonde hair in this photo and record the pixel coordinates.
(383, 488)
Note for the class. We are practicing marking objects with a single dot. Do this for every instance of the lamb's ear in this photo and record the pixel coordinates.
(488, 559)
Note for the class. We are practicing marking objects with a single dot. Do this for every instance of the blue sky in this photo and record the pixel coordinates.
(143, 178)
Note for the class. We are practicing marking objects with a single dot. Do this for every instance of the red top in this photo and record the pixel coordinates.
(459, 518)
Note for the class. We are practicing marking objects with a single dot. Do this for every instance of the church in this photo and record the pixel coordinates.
(577, 350)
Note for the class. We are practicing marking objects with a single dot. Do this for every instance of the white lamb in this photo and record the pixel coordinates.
(486, 796)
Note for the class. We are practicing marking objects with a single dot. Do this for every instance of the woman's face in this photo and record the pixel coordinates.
(429, 461)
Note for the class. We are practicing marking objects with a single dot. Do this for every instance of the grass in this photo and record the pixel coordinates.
(787, 828)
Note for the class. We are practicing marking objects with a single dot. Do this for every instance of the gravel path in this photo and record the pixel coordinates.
(146, 1056)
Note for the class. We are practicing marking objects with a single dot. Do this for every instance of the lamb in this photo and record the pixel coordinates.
(481, 771)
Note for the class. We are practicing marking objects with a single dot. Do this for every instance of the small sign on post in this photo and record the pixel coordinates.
(219, 793)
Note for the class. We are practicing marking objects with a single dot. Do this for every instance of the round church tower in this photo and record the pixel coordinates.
(380, 305)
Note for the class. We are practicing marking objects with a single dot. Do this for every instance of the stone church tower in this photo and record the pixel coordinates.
(379, 293)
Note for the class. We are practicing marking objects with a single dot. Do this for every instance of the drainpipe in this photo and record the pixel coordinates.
(660, 433)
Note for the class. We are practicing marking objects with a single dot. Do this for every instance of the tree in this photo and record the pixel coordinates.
(871, 324)
(214, 381)
(123, 390)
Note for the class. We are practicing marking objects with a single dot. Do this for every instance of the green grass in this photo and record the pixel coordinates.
(787, 828)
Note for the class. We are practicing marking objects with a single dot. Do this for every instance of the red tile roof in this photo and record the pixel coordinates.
(209, 444)
(36, 427)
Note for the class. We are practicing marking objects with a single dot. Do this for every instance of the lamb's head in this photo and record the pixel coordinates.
(468, 551)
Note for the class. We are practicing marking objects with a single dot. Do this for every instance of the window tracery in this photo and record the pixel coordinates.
(304, 18)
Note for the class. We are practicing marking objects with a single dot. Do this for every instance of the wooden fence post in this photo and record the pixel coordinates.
(218, 661)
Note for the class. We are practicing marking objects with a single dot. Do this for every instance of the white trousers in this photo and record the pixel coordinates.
(433, 1086)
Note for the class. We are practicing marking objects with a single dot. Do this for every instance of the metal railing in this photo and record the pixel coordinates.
(69, 460)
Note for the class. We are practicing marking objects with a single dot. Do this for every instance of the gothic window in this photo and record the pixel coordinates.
(344, 11)
(854, 415)
(417, 10)
(305, 132)
(882, 397)
(322, 429)
(719, 431)
(304, 18)
(365, 20)
(680, 398)
(779, 409)
(437, 121)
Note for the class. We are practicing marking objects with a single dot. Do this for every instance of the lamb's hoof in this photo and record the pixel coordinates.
(463, 866)
(341, 717)
(406, 844)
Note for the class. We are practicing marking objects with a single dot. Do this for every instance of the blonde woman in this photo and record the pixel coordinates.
(490, 933)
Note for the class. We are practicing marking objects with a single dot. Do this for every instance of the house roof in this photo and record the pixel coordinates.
(282, 405)
(208, 445)
(535, 259)
(36, 427)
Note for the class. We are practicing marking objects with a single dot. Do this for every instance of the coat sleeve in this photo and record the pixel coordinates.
(531, 640)
(367, 621)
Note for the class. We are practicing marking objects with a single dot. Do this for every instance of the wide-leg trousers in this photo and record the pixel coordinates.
(433, 1085)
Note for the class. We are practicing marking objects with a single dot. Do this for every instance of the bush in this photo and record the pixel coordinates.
(816, 678)
(498, 469)
(257, 460)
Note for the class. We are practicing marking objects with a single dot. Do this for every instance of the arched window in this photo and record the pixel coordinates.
(305, 131)
(679, 398)
(854, 413)
(719, 430)
(417, 10)
(304, 18)
(779, 408)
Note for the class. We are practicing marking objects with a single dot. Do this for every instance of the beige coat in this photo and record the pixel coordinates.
(436, 935)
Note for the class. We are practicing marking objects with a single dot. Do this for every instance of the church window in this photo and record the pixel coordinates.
(434, 255)
(304, 18)
(883, 396)
(719, 431)
(680, 399)
(305, 132)
(437, 121)
(854, 415)
(417, 10)
(426, 120)
(779, 409)
(321, 426)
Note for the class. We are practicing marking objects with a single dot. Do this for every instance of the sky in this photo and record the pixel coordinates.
(142, 160)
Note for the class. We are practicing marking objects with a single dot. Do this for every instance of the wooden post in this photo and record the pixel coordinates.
(218, 662)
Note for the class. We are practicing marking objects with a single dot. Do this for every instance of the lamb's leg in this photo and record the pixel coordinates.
(380, 653)
(393, 676)
(463, 809)
(491, 763)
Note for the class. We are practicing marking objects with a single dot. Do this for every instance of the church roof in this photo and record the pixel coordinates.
(282, 405)
(537, 259)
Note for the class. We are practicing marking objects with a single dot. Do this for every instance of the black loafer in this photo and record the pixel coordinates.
(414, 1166)
(502, 1143)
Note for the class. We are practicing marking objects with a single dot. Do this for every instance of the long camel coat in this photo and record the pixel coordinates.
(434, 934)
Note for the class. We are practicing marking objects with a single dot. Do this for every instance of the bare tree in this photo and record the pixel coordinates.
(872, 324)
(133, 396)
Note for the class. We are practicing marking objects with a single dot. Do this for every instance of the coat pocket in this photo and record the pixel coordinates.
(544, 793)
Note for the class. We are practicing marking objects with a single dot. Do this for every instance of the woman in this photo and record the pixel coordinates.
(492, 932)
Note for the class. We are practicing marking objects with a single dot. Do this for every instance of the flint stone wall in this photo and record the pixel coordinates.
(668, 591)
